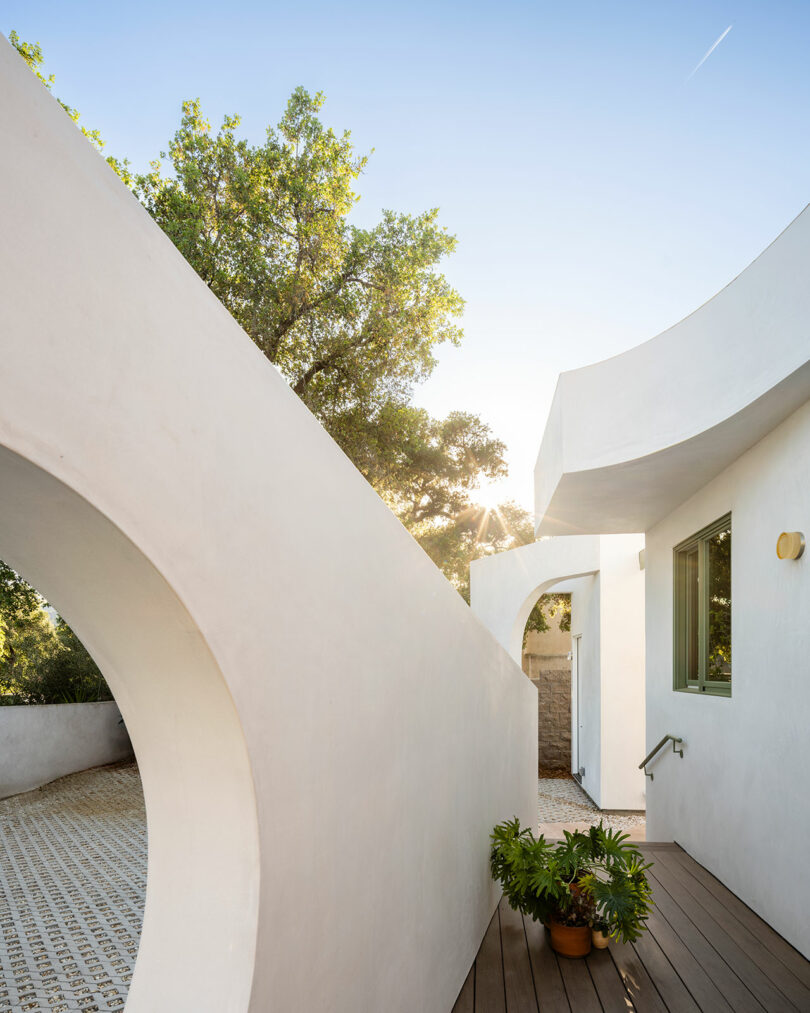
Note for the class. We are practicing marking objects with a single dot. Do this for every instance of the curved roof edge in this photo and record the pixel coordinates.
(630, 438)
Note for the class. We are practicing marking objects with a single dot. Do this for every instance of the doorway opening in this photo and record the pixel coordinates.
(546, 660)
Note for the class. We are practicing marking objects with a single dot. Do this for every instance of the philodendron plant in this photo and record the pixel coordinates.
(595, 878)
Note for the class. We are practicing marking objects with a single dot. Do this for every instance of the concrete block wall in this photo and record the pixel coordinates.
(551, 676)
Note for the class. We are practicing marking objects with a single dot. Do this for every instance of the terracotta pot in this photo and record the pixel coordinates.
(600, 939)
(570, 940)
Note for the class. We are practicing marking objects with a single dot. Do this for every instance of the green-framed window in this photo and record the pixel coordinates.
(702, 610)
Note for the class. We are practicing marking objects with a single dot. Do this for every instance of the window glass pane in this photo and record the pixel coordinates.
(692, 603)
(718, 662)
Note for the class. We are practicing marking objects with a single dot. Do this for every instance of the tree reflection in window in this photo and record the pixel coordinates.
(718, 668)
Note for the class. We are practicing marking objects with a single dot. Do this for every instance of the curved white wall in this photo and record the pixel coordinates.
(40, 743)
(196, 776)
(505, 587)
(326, 734)
(630, 438)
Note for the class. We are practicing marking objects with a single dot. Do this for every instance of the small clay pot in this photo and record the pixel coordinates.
(600, 939)
(570, 940)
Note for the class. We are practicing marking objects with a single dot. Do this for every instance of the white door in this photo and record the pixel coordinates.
(576, 722)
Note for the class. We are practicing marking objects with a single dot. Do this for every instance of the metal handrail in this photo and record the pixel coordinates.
(651, 754)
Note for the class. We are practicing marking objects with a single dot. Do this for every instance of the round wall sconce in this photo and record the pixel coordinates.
(790, 545)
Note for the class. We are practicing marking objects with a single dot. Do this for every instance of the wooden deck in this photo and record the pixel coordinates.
(705, 950)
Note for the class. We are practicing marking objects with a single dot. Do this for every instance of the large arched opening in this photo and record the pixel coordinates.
(198, 938)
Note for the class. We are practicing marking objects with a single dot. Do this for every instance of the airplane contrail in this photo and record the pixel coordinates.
(710, 51)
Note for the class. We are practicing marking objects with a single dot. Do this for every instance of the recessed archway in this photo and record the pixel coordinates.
(197, 945)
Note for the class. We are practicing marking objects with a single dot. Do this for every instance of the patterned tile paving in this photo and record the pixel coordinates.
(72, 888)
(561, 800)
(73, 882)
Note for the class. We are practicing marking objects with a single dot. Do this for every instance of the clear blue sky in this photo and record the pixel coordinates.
(597, 194)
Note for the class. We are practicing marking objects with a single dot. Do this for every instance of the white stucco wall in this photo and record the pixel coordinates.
(621, 624)
(607, 610)
(505, 587)
(40, 743)
(320, 783)
(737, 801)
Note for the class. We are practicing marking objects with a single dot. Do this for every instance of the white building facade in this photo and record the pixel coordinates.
(701, 439)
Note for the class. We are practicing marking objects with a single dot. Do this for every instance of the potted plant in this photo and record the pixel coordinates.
(600, 933)
(589, 882)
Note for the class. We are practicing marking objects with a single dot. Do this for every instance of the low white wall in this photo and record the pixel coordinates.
(40, 743)
(737, 801)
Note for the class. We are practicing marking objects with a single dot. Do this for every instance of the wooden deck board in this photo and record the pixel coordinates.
(548, 984)
(769, 937)
(636, 980)
(466, 997)
(675, 995)
(705, 952)
(578, 985)
(727, 982)
(608, 983)
(517, 968)
(739, 947)
(706, 994)
(757, 983)
(489, 991)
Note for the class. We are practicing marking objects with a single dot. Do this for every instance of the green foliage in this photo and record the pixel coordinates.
(475, 531)
(719, 625)
(549, 607)
(594, 878)
(350, 316)
(26, 633)
(41, 661)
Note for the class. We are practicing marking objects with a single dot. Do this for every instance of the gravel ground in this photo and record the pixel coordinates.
(561, 800)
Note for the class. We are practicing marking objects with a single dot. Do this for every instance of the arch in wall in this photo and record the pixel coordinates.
(504, 588)
(294, 671)
(197, 945)
(563, 586)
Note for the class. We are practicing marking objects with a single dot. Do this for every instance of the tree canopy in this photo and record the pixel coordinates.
(41, 658)
(350, 316)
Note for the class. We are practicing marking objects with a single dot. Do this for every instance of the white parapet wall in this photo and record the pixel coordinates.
(43, 742)
(326, 734)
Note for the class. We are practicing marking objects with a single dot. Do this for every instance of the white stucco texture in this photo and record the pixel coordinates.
(737, 801)
(606, 583)
(40, 743)
(325, 732)
(631, 438)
